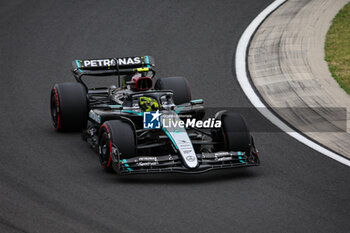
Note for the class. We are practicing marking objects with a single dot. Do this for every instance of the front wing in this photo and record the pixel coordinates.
(173, 163)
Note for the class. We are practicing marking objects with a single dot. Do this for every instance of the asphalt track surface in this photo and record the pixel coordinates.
(52, 182)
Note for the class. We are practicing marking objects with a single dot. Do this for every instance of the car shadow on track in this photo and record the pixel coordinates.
(173, 178)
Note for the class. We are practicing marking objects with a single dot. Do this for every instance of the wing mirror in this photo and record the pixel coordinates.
(198, 101)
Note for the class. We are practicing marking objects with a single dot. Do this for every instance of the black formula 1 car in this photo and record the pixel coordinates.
(138, 128)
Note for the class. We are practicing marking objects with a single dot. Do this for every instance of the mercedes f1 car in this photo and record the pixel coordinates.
(138, 127)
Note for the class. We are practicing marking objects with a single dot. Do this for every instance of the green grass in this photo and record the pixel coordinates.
(337, 48)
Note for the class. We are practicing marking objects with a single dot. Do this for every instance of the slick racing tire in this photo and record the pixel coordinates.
(179, 86)
(234, 132)
(117, 138)
(69, 107)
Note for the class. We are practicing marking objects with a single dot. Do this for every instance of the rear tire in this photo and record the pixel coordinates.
(120, 134)
(69, 107)
(179, 86)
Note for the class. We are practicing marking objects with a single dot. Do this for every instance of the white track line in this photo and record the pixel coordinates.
(243, 80)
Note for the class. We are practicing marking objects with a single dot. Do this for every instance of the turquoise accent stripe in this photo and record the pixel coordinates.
(114, 106)
(199, 100)
(133, 112)
(179, 108)
(147, 61)
(169, 136)
(78, 64)
(240, 157)
(126, 165)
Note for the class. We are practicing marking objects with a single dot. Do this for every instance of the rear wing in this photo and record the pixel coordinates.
(112, 66)
(106, 66)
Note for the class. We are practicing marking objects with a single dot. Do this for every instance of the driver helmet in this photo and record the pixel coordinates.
(148, 104)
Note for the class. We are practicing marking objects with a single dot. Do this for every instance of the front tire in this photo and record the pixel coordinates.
(118, 139)
(234, 132)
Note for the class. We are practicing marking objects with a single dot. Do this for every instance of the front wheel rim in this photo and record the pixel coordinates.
(104, 151)
(54, 109)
